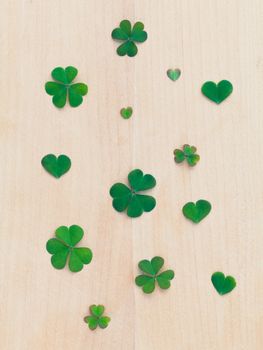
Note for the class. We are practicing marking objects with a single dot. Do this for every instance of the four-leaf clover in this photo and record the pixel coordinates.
(63, 87)
(151, 275)
(129, 35)
(96, 319)
(63, 246)
(188, 153)
(129, 198)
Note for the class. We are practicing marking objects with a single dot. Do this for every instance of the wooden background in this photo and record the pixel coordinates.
(43, 308)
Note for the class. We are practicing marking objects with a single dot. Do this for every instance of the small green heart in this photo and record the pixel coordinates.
(223, 284)
(126, 113)
(174, 74)
(56, 166)
(197, 211)
(217, 92)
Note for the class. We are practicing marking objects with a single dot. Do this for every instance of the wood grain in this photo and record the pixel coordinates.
(42, 308)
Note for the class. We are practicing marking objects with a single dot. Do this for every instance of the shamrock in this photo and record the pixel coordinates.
(151, 274)
(187, 153)
(128, 198)
(129, 35)
(63, 86)
(96, 319)
(223, 284)
(63, 246)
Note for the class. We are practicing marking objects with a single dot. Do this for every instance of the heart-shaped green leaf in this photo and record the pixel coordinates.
(146, 267)
(193, 159)
(140, 182)
(126, 113)
(179, 156)
(70, 235)
(75, 264)
(125, 26)
(54, 88)
(59, 74)
(163, 283)
(223, 284)
(174, 74)
(168, 274)
(138, 34)
(157, 263)
(189, 150)
(127, 48)
(60, 99)
(71, 73)
(84, 254)
(59, 253)
(149, 286)
(104, 321)
(64, 76)
(197, 211)
(121, 196)
(76, 91)
(217, 92)
(97, 310)
(147, 203)
(135, 208)
(56, 166)
(92, 321)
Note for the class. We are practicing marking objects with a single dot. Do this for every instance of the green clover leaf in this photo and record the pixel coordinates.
(63, 87)
(128, 198)
(217, 92)
(126, 113)
(188, 153)
(96, 319)
(129, 36)
(223, 284)
(173, 74)
(151, 274)
(63, 246)
(56, 166)
(196, 212)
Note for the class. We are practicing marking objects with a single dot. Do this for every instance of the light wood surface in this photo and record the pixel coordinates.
(42, 308)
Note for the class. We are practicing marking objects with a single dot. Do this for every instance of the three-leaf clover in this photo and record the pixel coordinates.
(63, 246)
(129, 35)
(151, 275)
(129, 198)
(63, 87)
(96, 319)
(188, 153)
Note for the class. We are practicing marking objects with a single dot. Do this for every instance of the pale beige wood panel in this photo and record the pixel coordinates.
(41, 308)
